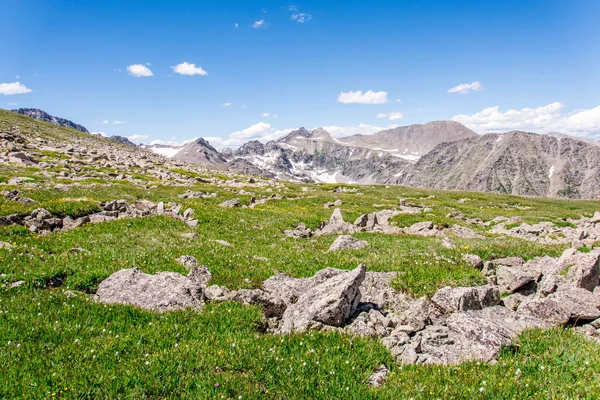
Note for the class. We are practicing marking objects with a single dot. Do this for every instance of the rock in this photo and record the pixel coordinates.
(300, 232)
(473, 260)
(230, 203)
(116, 205)
(511, 279)
(568, 304)
(164, 291)
(192, 223)
(450, 300)
(464, 232)
(190, 235)
(17, 284)
(420, 227)
(200, 275)
(336, 225)
(289, 289)
(513, 301)
(330, 303)
(467, 336)
(583, 269)
(187, 261)
(378, 377)
(376, 291)
(346, 242)
(216, 293)
(272, 306)
(415, 318)
(68, 223)
(223, 243)
(41, 214)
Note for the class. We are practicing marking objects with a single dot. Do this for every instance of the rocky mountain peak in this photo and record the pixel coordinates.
(301, 132)
(200, 151)
(44, 116)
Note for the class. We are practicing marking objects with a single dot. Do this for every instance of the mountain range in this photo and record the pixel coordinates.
(440, 155)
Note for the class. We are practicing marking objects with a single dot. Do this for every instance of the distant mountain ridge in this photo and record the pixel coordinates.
(44, 116)
(440, 155)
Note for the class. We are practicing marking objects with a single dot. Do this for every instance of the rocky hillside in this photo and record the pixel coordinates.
(514, 163)
(44, 116)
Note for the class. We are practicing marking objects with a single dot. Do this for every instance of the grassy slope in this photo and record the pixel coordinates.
(53, 344)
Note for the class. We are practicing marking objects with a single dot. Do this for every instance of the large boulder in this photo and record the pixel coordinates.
(510, 279)
(568, 304)
(337, 225)
(330, 303)
(164, 291)
(466, 336)
(451, 299)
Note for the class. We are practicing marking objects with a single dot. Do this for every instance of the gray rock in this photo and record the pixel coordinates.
(513, 301)
(41, 214)
(200, 276)
(584, 271)
(272, 306)
(473, 260)
(378, 377)
(230, 203)
(510, 279)
(300, 232)
(216, 293)
(346, 242)
(376, 291)
(450, 300)
(336, 225)
(330, 303)
(164, 291)
(187, 261)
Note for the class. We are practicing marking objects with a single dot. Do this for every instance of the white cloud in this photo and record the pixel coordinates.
(265, 114)
(301, 17)
(139, 70)
(549, 118)
(100, 133)
(12, 103)
(137, 138)
(259, 24)
(185, 68)
(226, 104)
(398, 101)
(362, 129)
(261, 131)
(359, 97)
(464, 88)
(9, 89)
(244, 106)
(393, 116)
(105, 121)
(114, 122)
(236, 25)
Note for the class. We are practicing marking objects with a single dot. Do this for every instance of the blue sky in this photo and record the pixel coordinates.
(70, 58)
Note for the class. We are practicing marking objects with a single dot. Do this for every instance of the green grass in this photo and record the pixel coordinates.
(58, 343)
